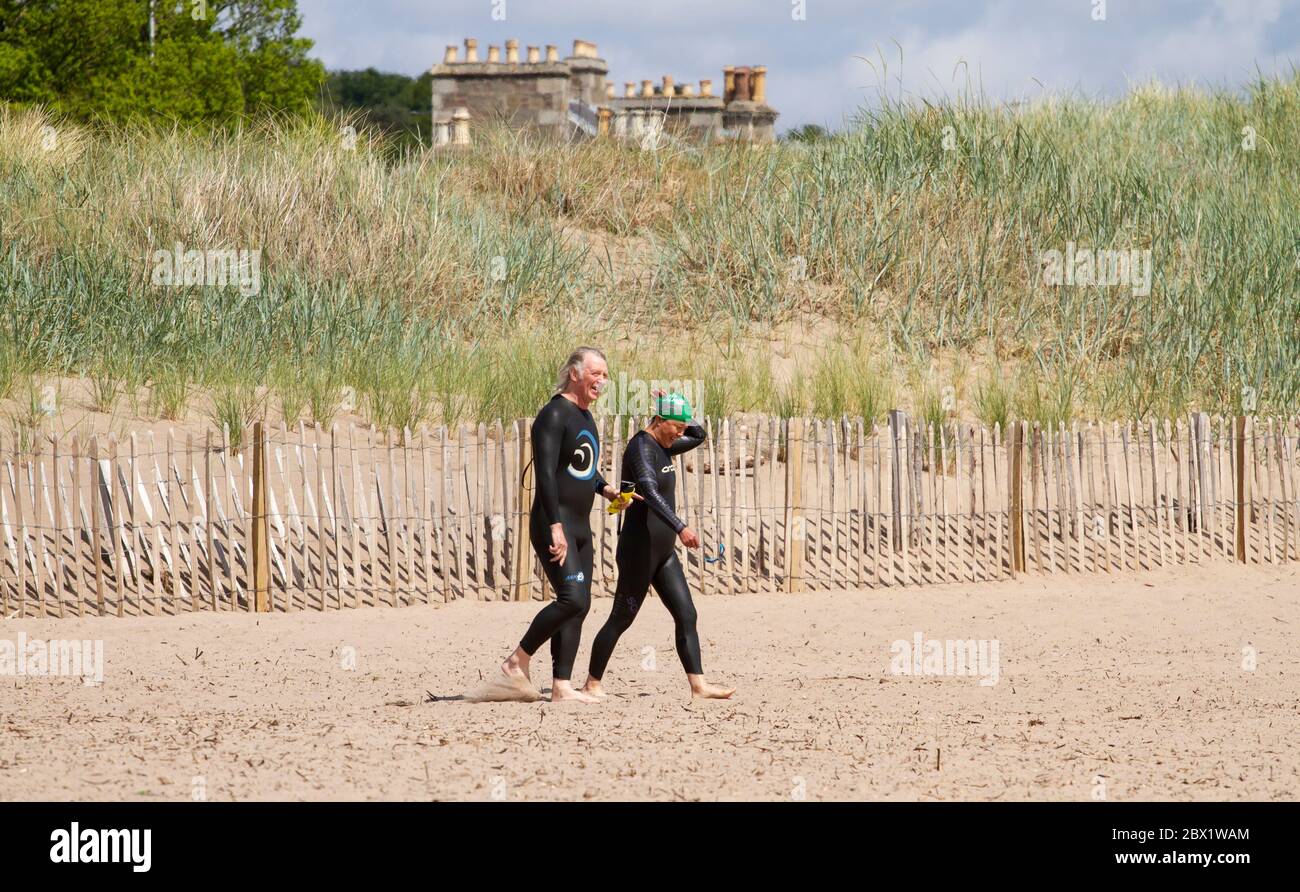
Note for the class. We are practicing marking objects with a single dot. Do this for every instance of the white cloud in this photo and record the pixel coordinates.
(816, 75)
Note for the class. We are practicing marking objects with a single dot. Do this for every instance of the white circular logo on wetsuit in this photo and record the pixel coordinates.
(583, 463)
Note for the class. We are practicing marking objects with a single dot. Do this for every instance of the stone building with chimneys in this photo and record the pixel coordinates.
(571, 98)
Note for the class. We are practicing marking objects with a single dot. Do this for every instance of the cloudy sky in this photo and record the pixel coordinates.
(828, 58)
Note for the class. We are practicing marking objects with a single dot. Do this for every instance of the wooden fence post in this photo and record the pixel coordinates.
(1200, 464)
(1239, 469)
(794, 523)
(897, 427)
(522, 582)
(95, 547)
(1016, 500)
(261, 542)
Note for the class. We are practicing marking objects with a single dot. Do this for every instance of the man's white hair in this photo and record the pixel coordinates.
(577, 361)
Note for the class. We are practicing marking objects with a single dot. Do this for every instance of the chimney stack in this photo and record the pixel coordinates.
(741, 92)
(758, 83)
(629, 89)
(706, 88)
(494, 54)
(471, 49)
(512, 51)
(534, 55)
(609, 89)
(687, 91)
(668, 90)
(552, 53)
(647, 89)
(728, 83)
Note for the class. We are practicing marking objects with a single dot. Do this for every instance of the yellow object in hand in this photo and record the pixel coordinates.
(619, 502)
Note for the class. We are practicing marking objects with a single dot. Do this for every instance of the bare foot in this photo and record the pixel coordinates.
(593, 688)
(516, 666)
(562, 690)
(704, 690)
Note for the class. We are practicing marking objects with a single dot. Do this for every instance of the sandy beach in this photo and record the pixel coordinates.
(1132, 687)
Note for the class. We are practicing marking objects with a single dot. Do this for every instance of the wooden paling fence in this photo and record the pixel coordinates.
(324, 519)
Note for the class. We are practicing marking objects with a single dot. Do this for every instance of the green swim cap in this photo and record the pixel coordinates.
(673, 407)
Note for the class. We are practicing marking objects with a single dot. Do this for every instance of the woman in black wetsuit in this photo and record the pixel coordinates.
(566, 452)
(647, 553)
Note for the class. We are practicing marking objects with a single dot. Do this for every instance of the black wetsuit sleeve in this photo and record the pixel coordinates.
(644, 466)
(693, 436)
(599, 483)
(548, 438)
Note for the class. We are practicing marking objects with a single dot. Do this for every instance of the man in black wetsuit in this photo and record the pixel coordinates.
(647, 553)
(566, 451)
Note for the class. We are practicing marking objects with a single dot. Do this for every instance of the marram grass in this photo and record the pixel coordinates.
(445, 287)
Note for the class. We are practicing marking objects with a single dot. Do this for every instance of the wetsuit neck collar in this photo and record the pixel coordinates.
(567, 399)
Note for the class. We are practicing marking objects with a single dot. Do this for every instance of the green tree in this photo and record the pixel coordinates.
(807, 133)
(399, 105)
(209, 59)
